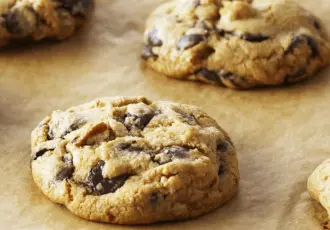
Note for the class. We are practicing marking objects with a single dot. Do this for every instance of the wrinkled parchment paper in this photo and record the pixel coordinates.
(281, 134)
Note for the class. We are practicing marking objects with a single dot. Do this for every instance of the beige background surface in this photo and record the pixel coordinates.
(281, 134)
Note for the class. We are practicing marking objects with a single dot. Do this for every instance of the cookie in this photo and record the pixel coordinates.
(133, 161)
(39, 19)
(319, 185)
(236, 44)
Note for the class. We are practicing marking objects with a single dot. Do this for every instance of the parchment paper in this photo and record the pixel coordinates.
(281, 134)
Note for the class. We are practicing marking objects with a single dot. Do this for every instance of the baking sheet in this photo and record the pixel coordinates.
(281, 134)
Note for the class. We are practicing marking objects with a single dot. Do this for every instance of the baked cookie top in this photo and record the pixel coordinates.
(318, 185)
(132, 161)
(238, 44)
(39, 19)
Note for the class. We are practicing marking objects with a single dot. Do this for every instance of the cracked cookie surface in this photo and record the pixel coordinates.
(238, 44)
(133, 161)
(39, 19)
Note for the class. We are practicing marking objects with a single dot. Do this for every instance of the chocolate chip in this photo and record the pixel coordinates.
(50, 135)
(132, 120)
(169, 153)
(291, 77)
(176, 151)
(67, 158)
(95, 174)
(69, 4)
(222, 32)
(317, 25)
(156, 197)
(101, 185)
(204, 53)
(153, 198)
(297, 40)
(64, 173)
(41, 152)
(153, 38)
(129, 148)
(189, 118)
(202, 25)
(254, 37)
(86, 3)
(113, 184)
(210, 75)
(188, 41)
(228, 76)
(158, 112)
(147, 53)
(313, 45)
(221, 169)
(76, 125)
(12, 23)
(222, 147)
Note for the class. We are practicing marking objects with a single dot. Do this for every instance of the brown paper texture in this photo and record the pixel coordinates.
(281, 134)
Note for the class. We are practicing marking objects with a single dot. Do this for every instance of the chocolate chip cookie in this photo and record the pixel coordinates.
(39, 19)
(319, 185)
(238, 44)
(133, 161)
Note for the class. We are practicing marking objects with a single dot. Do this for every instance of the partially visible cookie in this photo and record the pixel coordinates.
(133, 161)
(238, 44)
(39, 19)
(319, 185)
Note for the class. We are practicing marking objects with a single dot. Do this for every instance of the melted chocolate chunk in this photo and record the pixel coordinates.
(205, 53)
(299, 73)
(41, 152)
(76, 125)
(153, 38)
(129, 148)
(13, 24)
(202, 25)
(68, 168)
(297, 40)
(158, 112)
(137, 121)
(228, 76)
(69, 4)
(147, 52)
(153, 198)
(313, 45)
(221, 169)
(50, 135)
(222, 32)
(222, 147)
(188, 41)
(176, 151)
(65, 173)
(156, 197)
(95, 174)
(169, 153)
(210, 75)
(189, 118)
(317, 25)
(101, 185)
(255, 37)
